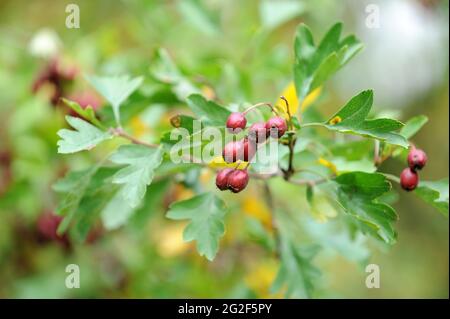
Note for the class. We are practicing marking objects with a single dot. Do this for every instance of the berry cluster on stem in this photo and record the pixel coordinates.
(409, 178)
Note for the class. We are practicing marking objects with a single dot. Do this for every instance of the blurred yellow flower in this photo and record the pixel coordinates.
(208, 92)
(328, 164)
(205, 176)
(252, 206)
(290, 94)
(138, 127)
(182, 193)
(170, 242)
(261, 277)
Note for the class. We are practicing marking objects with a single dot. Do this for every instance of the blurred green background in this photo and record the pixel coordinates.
(239, 51)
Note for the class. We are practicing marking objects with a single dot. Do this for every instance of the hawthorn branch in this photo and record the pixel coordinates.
(286, 174)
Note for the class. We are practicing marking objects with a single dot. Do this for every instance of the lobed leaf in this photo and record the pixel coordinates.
(296, 270)
(314, 65)
(85, 136)
(115, 89)
(206, 213)
(141, 163)
(207, 111)
(87, 113)
(435, 193)
(358, 193)
(351, 119)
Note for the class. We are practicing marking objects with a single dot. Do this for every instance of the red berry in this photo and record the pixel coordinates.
(237, 180)
(233, 151)
(276, 126)
(258, 132)
(249, 149)
(222, 178)
(417, 159)
(85, 99)
(47, 226)
(409, 179)
(236, 122)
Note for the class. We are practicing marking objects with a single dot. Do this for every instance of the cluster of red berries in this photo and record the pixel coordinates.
(416, 161)
(244, 150)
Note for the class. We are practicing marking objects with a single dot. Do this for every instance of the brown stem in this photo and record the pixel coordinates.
(120, 132)
(259, 105)
(376, 155)
(291, 169)
(288, 111)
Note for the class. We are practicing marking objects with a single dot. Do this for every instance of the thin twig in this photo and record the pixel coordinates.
(261, 104)
(292, 140)
(392, 177)
(120, 132)
(376, 155)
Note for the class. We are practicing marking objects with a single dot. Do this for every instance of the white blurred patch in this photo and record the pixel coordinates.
(45, 43)
(404, 58)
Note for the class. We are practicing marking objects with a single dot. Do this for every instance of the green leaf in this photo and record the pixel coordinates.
(73, 185)
(333, 235)
(87, 113)
(98, 193)
(351, 119)
(116, 212)
(208, 111)
(358, 193)
(85, 136)
(314, 65)
(166, 71)
(413, 125)
(296, 270)
(198, 16)
(115, 89)
(332, 64)
(275, 13)
(206, 213)
(362, 165)
(435, 193)
(153, 199)
(138, 174)
(304, 48)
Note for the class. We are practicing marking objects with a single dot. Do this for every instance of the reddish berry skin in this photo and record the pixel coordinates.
(276, 126)
(85, 99)
(249, 149)
(237, 180)
(47, 225)
(222, 178)
(258, 132)
(409, 179)
(233, 151)
(236, 122)
(417, 159)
